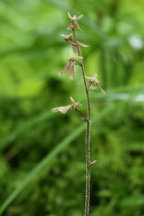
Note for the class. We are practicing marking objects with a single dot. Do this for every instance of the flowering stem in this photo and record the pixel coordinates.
(87, 195)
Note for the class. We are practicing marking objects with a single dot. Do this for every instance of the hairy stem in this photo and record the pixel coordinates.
(87, 195)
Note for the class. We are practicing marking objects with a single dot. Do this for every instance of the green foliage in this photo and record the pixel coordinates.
(42, 155)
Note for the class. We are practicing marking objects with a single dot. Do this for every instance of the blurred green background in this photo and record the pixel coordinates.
(42, 154)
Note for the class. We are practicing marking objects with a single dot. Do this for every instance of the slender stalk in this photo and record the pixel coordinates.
(87, 195)
(83, 116)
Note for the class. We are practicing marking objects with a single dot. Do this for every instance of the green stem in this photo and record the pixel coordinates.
(87, 195)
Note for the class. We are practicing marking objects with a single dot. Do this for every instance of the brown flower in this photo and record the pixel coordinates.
(63, 109)
(74, 23)
(70, 39)
(69, 67)
(94, 83)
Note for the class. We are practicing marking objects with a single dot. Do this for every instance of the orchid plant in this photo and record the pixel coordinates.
(92, 84)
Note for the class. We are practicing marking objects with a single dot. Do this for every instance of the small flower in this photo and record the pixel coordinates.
(67, 37)
(75, 105)
(63, 109)
(94, 83)
(70, 39)
(69, 67)
(74, 22)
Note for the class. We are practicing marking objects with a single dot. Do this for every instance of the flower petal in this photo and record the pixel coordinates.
(65, 68)
(88, 77)
(75, 49)
(82, 44)
(79, 17)
(71, 26)
(93, 86)
(72, 43)
(93, 79)
(62, 109)
(102, 90)
(69, 15)
(79, 57)
(63, 35)
(71, 70)
(78, 27)
(72, 100)
(67, 37)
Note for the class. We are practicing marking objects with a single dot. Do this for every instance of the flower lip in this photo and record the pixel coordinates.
(63, 109)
